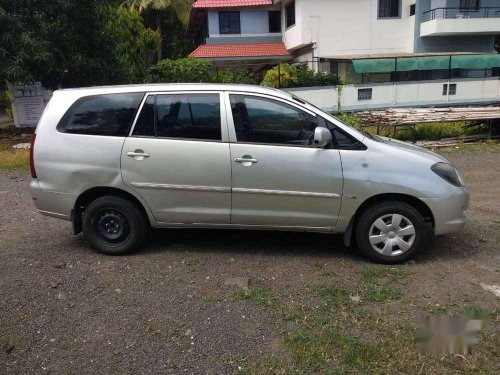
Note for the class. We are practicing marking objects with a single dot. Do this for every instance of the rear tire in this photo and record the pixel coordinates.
(113, 225)
(390, 232)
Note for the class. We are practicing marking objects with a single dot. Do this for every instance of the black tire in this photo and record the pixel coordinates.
(127, 223)
(384, 210)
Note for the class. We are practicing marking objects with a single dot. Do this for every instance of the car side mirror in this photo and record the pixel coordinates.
(322, 137)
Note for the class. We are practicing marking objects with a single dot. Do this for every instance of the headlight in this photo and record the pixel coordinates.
(449, 173)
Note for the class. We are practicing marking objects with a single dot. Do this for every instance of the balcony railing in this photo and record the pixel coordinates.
(460, 13)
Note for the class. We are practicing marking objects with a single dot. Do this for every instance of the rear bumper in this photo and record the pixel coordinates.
(52, 204)
(450, 212)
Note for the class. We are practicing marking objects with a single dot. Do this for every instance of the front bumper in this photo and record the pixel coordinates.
(449, 212)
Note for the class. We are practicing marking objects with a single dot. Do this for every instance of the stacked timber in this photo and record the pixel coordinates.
(407, 116)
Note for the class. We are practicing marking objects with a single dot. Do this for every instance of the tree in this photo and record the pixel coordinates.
(71, 43)
(158, 7)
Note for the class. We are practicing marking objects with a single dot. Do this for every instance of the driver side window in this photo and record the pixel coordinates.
(263, 120)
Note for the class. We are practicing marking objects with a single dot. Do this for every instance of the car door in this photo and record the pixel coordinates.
(177, 157)
(278, 177)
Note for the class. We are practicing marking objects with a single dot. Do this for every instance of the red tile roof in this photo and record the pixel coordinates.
(230, 3)
(240, 50)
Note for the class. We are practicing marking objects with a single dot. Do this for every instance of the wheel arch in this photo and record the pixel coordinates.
(416, 203)
(88, 196)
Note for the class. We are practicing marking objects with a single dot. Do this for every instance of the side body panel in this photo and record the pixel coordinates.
(182, 181)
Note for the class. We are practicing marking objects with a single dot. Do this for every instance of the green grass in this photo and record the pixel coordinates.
(11, 160)
(259, 294)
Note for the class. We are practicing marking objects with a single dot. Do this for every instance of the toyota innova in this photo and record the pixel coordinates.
(117, 160)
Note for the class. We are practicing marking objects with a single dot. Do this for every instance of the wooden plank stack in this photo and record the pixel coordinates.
(407, 116)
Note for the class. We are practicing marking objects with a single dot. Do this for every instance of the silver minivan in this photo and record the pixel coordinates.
(117, 160)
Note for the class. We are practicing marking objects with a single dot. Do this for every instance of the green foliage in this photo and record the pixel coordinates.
(182, 71)
(298, 76)
(135, 45)
(282, 75)
(70, 43)
(235, 75)
(306, 77)
(5, 103)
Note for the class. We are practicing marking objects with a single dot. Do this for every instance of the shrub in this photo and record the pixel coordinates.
(235, 75)
(282, 75)
(299, 76)
(5, 103)
(306, 77)
(182, 71)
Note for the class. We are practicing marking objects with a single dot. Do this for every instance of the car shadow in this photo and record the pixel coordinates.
(258, 242)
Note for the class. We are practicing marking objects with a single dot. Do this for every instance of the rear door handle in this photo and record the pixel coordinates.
(138, 154)
(246, 160)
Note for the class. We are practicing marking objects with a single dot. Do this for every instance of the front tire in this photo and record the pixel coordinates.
(113, 225)
(390, 232)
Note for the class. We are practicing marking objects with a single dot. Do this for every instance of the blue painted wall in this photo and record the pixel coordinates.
(251, 21)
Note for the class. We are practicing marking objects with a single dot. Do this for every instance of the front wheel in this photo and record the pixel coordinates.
(114, 225)
(390, 232)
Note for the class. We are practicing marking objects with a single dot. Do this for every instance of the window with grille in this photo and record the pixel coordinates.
(229, 23)
(469, 5)
(452, 89)
(412, 9)
(389, 8)
(364, 94)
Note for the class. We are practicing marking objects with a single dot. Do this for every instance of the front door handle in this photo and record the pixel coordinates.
(246, 160)
(138, 154)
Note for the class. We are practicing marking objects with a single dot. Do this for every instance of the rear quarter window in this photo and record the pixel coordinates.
(110, 114)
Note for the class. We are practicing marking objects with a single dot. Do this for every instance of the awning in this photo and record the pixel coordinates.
(475, 61)
(422, 63)
(405, 64)
(374, 65)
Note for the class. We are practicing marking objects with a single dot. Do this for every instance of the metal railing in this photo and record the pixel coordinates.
(460, 13)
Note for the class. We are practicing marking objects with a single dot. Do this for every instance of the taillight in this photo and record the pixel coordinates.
(32, 162)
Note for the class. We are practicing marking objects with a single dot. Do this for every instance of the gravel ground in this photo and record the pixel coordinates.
(66, 309)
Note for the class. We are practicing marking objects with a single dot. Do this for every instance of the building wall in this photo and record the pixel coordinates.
(347, 27)
(402, 94)
(454, 43)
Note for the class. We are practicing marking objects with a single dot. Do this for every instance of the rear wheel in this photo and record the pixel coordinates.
(390, 232)
(114, 225)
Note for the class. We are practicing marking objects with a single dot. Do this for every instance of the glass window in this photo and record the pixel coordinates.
(275, 21)
(290, 14)
(110, 114)
(145, 125)
(262, 120)
(229, 23)
(388, 8)
(194, 116)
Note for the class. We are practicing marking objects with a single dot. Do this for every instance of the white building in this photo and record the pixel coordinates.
(371, 44)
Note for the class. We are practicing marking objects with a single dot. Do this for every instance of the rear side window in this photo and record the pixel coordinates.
(110, 114)
(193, 116)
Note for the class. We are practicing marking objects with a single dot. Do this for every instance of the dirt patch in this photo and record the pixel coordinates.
(65, 308)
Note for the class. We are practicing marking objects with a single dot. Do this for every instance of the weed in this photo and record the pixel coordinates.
(259, 294)
(14, 159)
